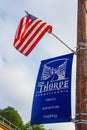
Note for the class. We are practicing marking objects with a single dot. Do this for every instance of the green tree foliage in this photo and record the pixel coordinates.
(37, 127)
(12, 115)
(0, 111)
(28, 126)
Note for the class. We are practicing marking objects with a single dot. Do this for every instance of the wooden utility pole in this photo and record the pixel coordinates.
(81, 76)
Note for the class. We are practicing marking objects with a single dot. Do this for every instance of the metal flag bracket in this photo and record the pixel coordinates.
(81, 46)
(80, 121)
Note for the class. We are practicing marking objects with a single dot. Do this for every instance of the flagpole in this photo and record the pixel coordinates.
(81, 69)
(63, 43)
(26, 12)
(57, 38)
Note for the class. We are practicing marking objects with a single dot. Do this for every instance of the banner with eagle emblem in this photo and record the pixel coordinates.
(52, 96)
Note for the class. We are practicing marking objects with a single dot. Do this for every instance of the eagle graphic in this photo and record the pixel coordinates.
(57, 73)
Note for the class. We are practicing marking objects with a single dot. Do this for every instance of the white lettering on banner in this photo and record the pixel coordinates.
(50, 99)
(52, 86)
(50, 107)
(50, 116)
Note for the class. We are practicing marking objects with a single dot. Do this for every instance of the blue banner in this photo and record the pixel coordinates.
(52, 96)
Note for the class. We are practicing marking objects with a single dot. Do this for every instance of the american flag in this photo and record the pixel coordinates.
(29, 33)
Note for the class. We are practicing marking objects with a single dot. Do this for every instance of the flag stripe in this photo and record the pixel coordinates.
(19, 29)
(29, 29)
(35, 43)
(29, 32)
(30, 35)
(28, 41)
(17, 39)
(34, 39)
(25, 26)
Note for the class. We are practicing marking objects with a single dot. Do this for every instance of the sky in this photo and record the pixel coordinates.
(18, 73)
